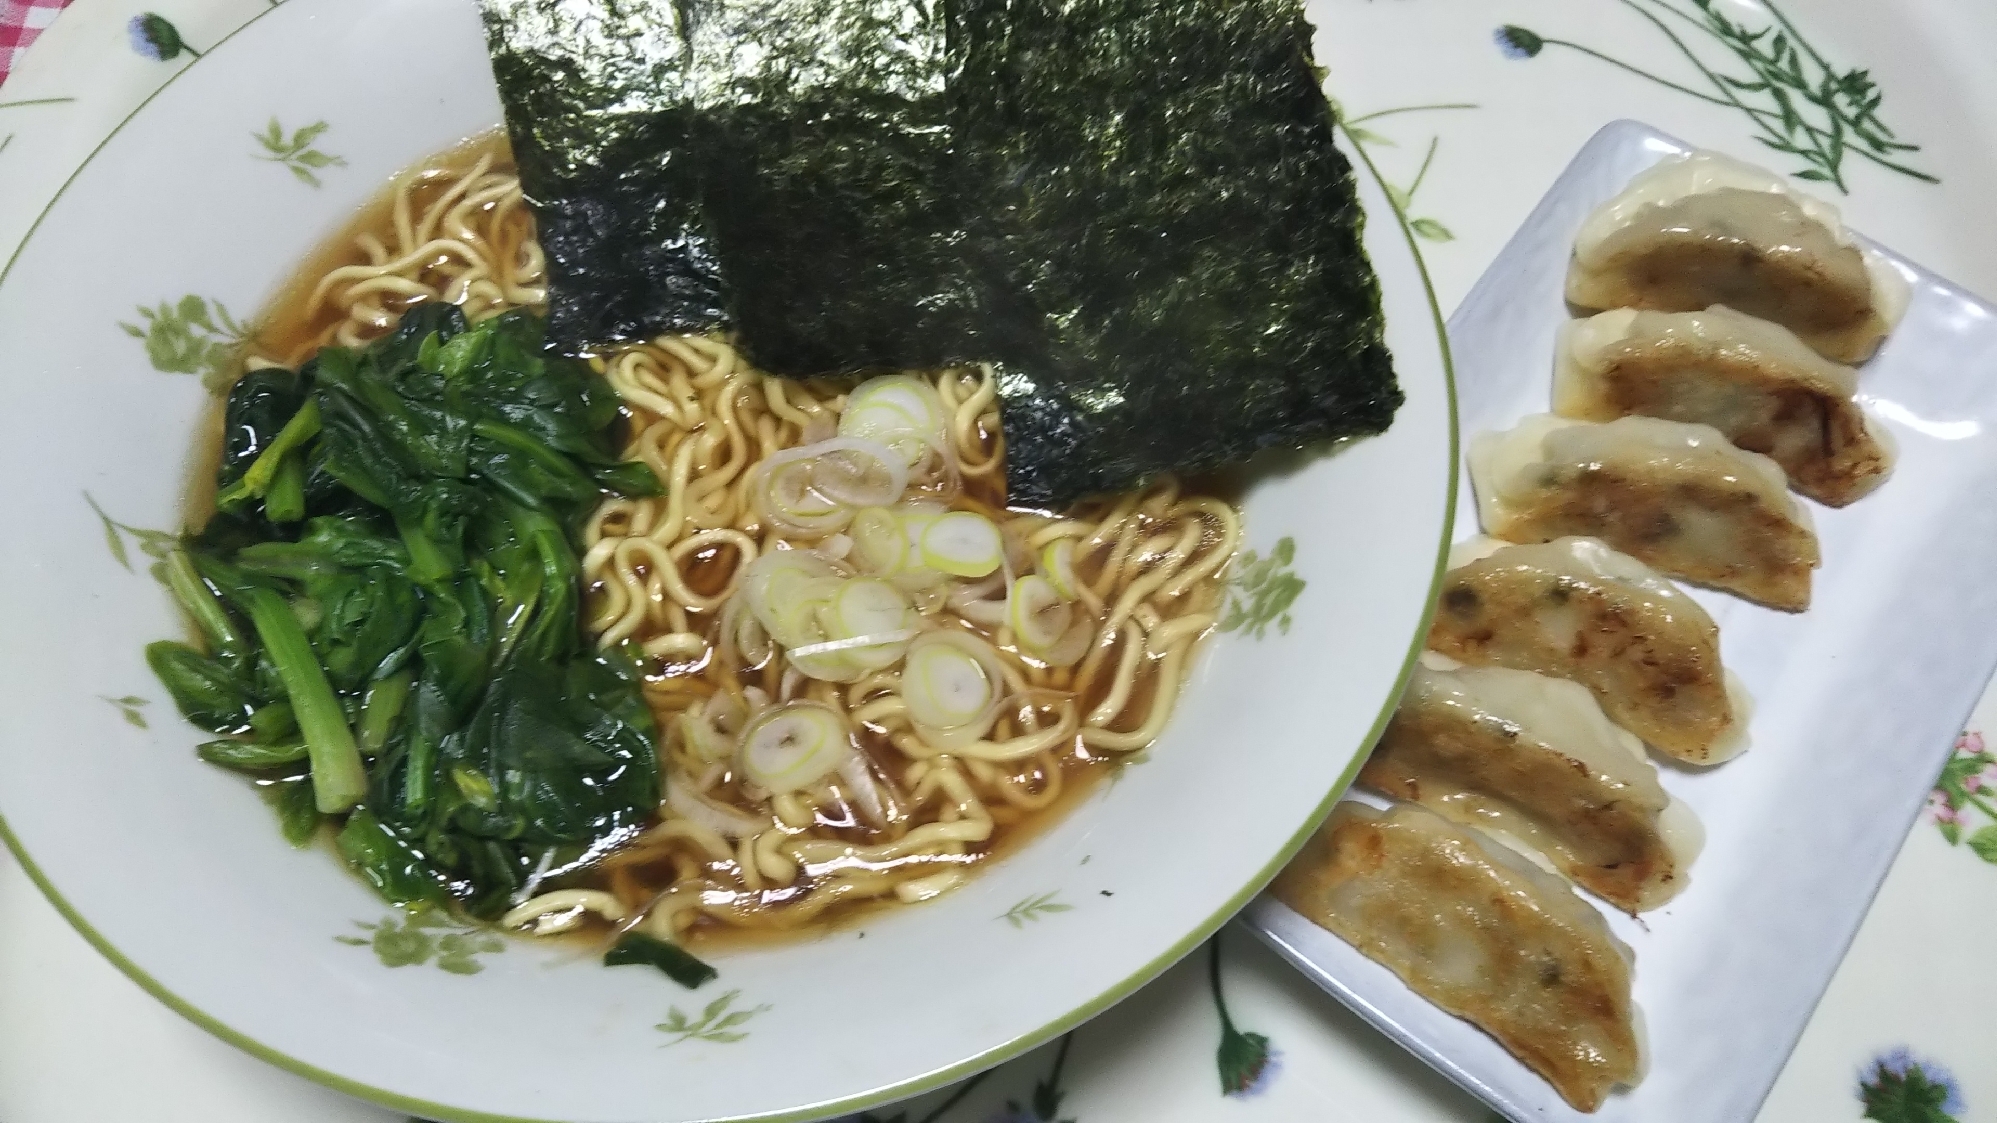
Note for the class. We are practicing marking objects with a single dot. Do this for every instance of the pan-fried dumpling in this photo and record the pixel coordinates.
(1707, 229)
(1534, 758)
(1480, 932)
(1677, 496)
(1575, 609)
(1752, 380)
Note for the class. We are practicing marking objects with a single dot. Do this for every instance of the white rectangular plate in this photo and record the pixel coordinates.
(1857, 700)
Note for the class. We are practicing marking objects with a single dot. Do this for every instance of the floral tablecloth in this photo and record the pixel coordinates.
(1471, 107)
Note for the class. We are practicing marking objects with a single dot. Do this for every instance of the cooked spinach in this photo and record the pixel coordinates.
(387, 594)
(680, 965)
(1135, 210)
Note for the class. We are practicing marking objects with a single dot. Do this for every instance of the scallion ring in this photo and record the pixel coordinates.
(962, 544)
(794, 746)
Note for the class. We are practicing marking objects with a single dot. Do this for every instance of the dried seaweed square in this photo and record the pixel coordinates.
(1135, 211)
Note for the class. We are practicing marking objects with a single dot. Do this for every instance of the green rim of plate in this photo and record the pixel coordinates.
(913, 1086)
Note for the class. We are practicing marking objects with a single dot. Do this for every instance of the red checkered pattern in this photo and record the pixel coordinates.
(20, 22)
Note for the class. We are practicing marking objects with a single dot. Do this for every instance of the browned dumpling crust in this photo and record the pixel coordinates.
(1579, 610)
(1534, 757)
(1481, 933)
(1679, 497)
(1752, 380)
(1754, 251)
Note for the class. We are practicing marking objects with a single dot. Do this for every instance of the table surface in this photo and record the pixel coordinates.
(1471, 107)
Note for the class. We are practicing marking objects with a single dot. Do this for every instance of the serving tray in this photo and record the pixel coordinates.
(1857, 701)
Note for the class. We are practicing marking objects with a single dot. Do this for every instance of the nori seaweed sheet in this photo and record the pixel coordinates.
(1134, 210)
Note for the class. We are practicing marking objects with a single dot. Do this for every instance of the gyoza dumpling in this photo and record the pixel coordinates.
(1752, 380)
(1480, 932)
(1534, 758)
(1707, 229)
(1677, 496)
(1575, 609)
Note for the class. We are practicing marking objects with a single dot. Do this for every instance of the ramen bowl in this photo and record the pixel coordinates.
(174, 869)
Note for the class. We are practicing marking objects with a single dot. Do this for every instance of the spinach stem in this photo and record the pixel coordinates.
(303, 426)
(338, 780)
(381, 707)
(284, 502)
(203, 605)
(427, 563)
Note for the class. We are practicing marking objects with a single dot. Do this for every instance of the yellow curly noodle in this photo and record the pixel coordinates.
(455, 228)
(913, 818)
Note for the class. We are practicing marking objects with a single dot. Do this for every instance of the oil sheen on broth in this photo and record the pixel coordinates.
(1081, 632)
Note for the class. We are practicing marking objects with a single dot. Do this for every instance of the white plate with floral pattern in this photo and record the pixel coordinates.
(177, 227)
(1858, 701)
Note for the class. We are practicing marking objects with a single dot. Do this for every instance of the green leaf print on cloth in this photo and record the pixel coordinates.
(1798, 102)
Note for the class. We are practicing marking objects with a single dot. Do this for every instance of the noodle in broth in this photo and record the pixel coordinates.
(904, 818)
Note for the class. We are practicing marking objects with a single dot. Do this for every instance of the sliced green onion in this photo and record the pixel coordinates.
(704, 741)
(853, 643)
(864, 790)
(780, 588)
(898, 411)
(726, 822)
(1057, 564)
(834, 665)
(951, 683)
(1073, 644)
(963, 544)
(869, 606)
(785, 499)
(794, 746)
(743, 634)
(912, 395)
(880, 545)
(929, 589)
(855, 472)
(812, 490)
(799, 610)
(916, 515)
(1037, 613)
